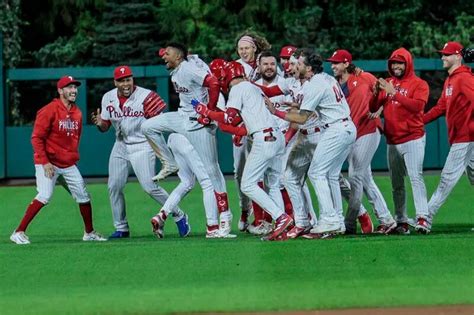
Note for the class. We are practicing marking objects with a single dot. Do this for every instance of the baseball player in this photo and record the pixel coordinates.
(246, 103)
(322, 93)
(125, 108)
(285, 53)
(358, 92)
(457, 104)
(191, 80)
(403, 97)
(55, 141)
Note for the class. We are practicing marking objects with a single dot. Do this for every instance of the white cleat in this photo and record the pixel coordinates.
(93, 237)
(20, 238)
(166, 170)
(327, 227)
(225, 225)
(263, 228)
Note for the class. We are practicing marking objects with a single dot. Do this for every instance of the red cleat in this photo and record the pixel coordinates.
(366, 225)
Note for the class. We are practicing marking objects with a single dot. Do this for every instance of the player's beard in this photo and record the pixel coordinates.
(71, 97)
(269, 78)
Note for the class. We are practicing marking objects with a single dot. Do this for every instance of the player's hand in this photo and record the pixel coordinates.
(376, 88)
(96, 119)
(376, 114)
(205, 121)
(269, 104)
(387, 86)
(48, 170)
(237, 140)
(292, 104)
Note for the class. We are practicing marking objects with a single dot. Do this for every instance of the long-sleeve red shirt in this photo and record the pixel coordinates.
(360, 94)
(457, 103)
(403, 112)
(56, 134)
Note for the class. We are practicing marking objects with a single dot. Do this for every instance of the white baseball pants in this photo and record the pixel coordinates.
(403, 159)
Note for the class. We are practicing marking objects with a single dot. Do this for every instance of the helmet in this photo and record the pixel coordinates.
(217, 68)
(233, 70)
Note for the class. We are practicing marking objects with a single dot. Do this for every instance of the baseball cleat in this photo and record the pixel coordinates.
(411, 222)
(402, 229)
(422, 226)
(119, 234)
(366, 225)
(327, 227)
(93, 237)
(282, 223)
(20, 238)
(158, 224)
(297, 231)
(244, 220)
(212, 231)
(317, 236)
(386, 228)
(166, 170)
(261, 229)
(183, 226)
(225, 225)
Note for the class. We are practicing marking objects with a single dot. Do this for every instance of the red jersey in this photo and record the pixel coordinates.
(56, 134)
(403, 112)
(360, 94)
(457, 103)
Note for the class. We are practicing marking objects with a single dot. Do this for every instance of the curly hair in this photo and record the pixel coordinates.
(312, 59)
(260, 42)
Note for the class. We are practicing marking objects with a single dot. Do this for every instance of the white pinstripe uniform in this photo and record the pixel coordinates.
(267, 148)
(323, 94)
(299, 153)
(188, 79)
(240, 153)
(459, 157)
(130, 149)
(191, 168)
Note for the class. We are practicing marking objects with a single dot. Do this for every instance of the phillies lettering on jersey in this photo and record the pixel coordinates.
(180, 89)
(68, 125)
(126, 112)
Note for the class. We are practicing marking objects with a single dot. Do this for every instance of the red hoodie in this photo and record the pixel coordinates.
(403, 112)
(56, 134)
(360, 94)
(457, 103)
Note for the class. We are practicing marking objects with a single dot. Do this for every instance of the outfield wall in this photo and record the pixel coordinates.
(16, 157)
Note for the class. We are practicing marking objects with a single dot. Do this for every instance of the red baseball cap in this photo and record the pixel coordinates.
(66, 80)
(287, 51)
(122, 72)
(341, 55)
(397, 58)
(451, 48)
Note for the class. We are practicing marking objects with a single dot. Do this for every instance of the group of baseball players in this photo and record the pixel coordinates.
(290, 121)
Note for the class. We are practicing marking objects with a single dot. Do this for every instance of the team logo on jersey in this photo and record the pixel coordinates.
(449, 90)
(401, 90)
(180, 89)
(127, 111)
(354, 83)
(69, 126)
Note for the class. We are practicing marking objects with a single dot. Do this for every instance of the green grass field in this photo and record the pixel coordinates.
(60, 274)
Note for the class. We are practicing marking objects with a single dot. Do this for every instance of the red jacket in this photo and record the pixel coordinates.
(360, 94)
(457, 103)
(56, 134)
(403, 112)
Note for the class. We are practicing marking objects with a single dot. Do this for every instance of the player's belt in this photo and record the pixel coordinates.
(329, 125)
(310, 131)
(269, 137)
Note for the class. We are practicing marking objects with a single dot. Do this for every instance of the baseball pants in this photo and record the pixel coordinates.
(360, 177)
(72, 177)
(264, 161)
(331, 152)
(407, 158)
(141, 158)
(240, 156)
(190, 168)
(458, 159)
(203, 139)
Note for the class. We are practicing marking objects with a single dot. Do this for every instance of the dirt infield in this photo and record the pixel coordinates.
(430, 310)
